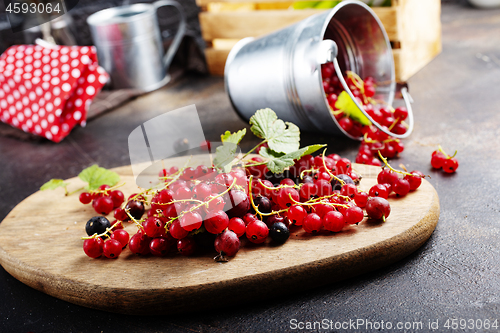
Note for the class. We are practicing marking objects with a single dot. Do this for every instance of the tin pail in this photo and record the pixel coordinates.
(282, 70)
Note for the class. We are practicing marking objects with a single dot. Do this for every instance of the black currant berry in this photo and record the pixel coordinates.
(279, 232)
(336, 185)
(97, 225)
(136, 209)
(263, 204)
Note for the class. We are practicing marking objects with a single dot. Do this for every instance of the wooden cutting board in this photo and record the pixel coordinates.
(40, 245)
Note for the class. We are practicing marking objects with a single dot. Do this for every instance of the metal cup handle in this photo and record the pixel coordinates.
(406, 97)
(169, 56)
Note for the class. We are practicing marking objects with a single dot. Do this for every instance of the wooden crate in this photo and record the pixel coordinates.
(413, 27)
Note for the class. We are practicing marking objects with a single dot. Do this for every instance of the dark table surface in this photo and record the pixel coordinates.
(454, 275)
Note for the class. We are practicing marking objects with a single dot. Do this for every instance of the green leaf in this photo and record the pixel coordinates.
(347, 105)
(225, 155)
(280, 136)
(311, 149)
(96, 176)
(314, 4)
(53, 184)
(278, 162)
(233, 137)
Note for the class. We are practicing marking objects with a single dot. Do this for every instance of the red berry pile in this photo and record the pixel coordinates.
(374, 140)
(104, 199)
(241, 199)
(440, 159)
(201, 208)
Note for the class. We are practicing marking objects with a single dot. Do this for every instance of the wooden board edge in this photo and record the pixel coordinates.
(237, 291)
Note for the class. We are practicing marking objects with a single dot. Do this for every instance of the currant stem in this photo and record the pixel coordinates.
(332, 176)
(253, 204)
(391, 168)
(251, 150)
(204, 203)
(447, 156)
(393, 124)
(137, 224)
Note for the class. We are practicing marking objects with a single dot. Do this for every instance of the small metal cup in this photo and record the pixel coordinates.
(282, 71)
(129, 45)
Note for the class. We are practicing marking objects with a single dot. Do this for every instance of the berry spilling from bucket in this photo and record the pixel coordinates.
(242, 200)
(356, 124)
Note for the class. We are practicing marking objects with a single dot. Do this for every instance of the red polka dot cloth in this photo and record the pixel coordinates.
(47, 91)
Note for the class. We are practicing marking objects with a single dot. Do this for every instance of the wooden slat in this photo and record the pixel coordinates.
(216, 7)
(391, 20)
(258, 23)
(216, 60)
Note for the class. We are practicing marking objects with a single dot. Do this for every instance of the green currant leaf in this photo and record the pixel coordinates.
(53, 184)
(347, 105)
(233, 137)
(278, 162)
(96, 176)
(280, 136)
(225, 155)
(312, 149)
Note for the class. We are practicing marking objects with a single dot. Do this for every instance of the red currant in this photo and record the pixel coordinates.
(312, 223)
(333, 221)
(122, 236)
(186, 246)
(112, 248)
(257, 232)
(379, 190)
(103, 205)
(349, 190)
(353, 215)
(154, 227)
(287, 197)
(227, 243)
(361, 198)
(296, 214)
(450, 165)
(176, 231)
(191, 221)
(437, 160)
(85, 198)
(117, 197)
(237, 225)
(139, 243)
(215, 222)
(159, 247)
(415, 180)
(93, 247)
(308, 190)
(378, 208)
(401, 187)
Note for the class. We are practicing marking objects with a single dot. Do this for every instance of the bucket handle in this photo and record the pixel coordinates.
(181, 30)
(404, 92)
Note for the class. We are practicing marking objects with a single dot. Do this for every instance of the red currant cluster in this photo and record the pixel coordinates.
(375, 141)
(104, 199)
(98, 228)
(442, 160)
(364, 91)
(200, 208)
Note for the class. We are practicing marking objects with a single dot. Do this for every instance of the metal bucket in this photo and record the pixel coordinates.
(129, 45)
(282, 71)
